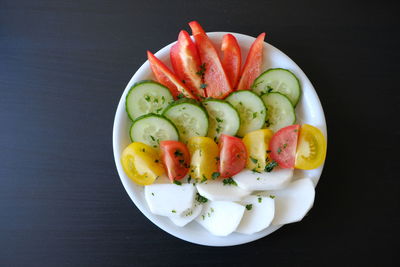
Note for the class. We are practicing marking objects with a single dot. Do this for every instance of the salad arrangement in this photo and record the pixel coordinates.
(216, 142)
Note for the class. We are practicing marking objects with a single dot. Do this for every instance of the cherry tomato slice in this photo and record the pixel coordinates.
(311, 148)
(216, 82)
(166, 77)
(176, 159)
(283, 146)
(232, 59)
(185, 61)
(252, 66)
(232, 155)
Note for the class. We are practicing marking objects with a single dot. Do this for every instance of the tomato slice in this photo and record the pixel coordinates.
(166, 77)
(252, 66)
(141, 163)
(216, 82)
(257, 145)
(311, 148)
(232, 155)
(204, 155)
(283, 146)
(185, 61)
(232, 59)
(176, 159)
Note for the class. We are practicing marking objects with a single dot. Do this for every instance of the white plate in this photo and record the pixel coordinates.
(309, 110)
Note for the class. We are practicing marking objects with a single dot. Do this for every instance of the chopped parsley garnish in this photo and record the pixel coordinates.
(218, 129)
(147, 98)
(177, 182)
(173, 211)
(249, 206)
(219, 120)
(163, 99)
(254, 115)
(259, 199)
(255, 161)
(255, 170)
(258, 178)
(152, 138)
(152, 193)
(158, 110)
(189, 179)
(270, 166)
(272, 196)
(267, 123)
(270, 89)
(204, 179)
(156, 161)
(202, 70)
(216, 158)
(178, 153)
(183, 81)
(279, 150)
(156, 100)
(181, 161)
(215, 175)
(200, 198)
(268, 151)
(180, 96)
(143, 150)
(229, 181)
(284, 145)
(203, 86)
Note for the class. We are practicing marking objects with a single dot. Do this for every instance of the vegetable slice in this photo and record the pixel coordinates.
(232, 59)
(216, 82)
(166, 77)
(176, 159)
(311, 148)
(151, 129)
(252, 66)
(283, 146)
(147, 97)
(185, 61)
(232, 155)
(280, 111)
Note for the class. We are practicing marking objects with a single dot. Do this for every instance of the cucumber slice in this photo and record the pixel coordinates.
(147, 97)
(278, 80)
(150, 129)
(251, 110)
(280, 111)
(222, 118)
(189, 117)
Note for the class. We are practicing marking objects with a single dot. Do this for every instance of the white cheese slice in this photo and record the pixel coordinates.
(221, 218)
(169, 199)
(258, 215)
(254, 181)
(293, 202)
(216, 190)
(188, 215)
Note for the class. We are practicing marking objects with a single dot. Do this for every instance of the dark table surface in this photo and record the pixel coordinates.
(63, 68)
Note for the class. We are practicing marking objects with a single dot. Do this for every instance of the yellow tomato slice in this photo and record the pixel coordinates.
(257, 145)
(204, 157)
(311, 148)
(141, 163)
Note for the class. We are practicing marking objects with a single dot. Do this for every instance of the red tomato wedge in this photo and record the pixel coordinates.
(252, 66)
(166, 77)
(283, 146)
(232, 155)
(176, 159)
(185, 61)
(216, 82)
(232, 59)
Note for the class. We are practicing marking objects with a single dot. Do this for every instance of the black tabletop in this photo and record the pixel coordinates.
(63, 68)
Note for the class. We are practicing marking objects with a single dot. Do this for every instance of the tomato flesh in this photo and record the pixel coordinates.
(216, 83)
(176, 159)
(252, 66)
(166, 77)
(185, 61)
(311, 148)
(283, 146)
(141, 163)
(232, 157)
(232, 59)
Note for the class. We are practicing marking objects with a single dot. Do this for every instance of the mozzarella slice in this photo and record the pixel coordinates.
(188, 216)
(221, 217)
(258, 215)
(216, 190)
(169, 199)
(293, 202)
(274, 180)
